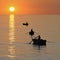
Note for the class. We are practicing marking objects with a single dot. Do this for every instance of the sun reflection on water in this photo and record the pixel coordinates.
(12, 29)
(11, 50)
(11, 47)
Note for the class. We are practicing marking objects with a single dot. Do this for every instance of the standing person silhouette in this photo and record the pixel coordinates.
(31, 32)
(39, 37)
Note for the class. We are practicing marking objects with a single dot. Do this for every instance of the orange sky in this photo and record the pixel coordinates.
(31, 6)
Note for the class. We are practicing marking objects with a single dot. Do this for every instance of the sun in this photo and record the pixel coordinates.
(12, 9)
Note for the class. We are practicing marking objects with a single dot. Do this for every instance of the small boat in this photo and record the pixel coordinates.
(26, 24)
(37, 40)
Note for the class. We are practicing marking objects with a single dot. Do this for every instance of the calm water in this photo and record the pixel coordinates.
(14, 37)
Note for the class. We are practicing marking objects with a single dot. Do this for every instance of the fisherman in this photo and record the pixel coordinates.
(39, 37)
(31, 32)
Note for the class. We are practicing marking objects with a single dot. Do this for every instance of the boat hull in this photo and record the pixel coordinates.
(39, 42)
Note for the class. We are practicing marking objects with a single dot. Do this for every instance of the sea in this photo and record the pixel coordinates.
(15, 38)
